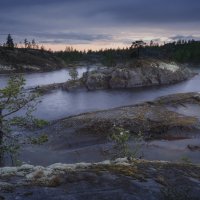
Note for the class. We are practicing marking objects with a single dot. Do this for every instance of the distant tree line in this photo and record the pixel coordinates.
(179, 51)
(10, 44)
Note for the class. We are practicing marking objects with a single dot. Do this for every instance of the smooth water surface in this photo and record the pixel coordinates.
(59, 104)
(44, 78)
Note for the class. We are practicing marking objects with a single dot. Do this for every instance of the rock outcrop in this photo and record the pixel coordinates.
(28, 60)
(143, 74)
(153, 119)
(119, 179)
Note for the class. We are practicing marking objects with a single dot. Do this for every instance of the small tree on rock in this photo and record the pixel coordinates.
(14, 98)
(73, 74)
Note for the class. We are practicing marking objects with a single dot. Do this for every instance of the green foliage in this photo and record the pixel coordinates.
(14, 98)
(180, 51)
(121, 137)
(137, 46)
(71, 55)
(108, 57)
(11, 148)
(186, 160)
(40, 123)
(40, 140)
(73, 74)
(109, 60)
(28, 122)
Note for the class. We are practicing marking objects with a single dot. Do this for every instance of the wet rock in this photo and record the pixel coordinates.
(119, 179)
(150, 120)
(73, 85)
(70, 85)
(95, 80)
(43, 89)
(144, 74)
(6, 187)
(127, 76)
(179, 99)
(2, 198)
(85, 137)
(28, 60)
(194, 147)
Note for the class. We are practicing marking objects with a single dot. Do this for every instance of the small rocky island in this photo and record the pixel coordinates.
(138, 73)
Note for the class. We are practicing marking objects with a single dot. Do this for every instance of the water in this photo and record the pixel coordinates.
(44, 78)
(59, 104)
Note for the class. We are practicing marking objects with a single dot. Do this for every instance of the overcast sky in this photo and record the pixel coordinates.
(99, 23)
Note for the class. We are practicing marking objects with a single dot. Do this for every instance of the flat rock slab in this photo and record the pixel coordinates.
(85, 137)
(151, 118)
(120, 179)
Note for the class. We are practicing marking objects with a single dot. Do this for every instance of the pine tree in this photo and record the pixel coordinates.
(25, 43)
(9, 42)
(33, 44)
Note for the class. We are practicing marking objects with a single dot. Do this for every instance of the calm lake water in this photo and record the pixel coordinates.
(59, 104)
(43, 78)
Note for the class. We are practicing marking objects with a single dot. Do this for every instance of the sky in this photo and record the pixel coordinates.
(96, 24)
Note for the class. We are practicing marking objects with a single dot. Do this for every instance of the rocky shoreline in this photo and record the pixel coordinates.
(85, 137)
(118, 179)
(123, 178)
(152, 118)
(143, 73)
(140, 74)
(27, 60)
(84, 140)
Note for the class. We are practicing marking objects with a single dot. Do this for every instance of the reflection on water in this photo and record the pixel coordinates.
(59, 104)
(174, 151)
(43, 78)
(171, 150)
(187, 109)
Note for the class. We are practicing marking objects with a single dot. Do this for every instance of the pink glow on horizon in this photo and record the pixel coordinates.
(82, 47)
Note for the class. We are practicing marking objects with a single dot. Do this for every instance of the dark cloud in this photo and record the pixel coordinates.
(71, 38)
(90, 20)
(153, 11)
(184, 37)
(75, 36)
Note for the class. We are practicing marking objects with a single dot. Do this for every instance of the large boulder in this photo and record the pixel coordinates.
(130, 76)
(98, 79)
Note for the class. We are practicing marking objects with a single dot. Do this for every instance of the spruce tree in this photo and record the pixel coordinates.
(9, 42)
